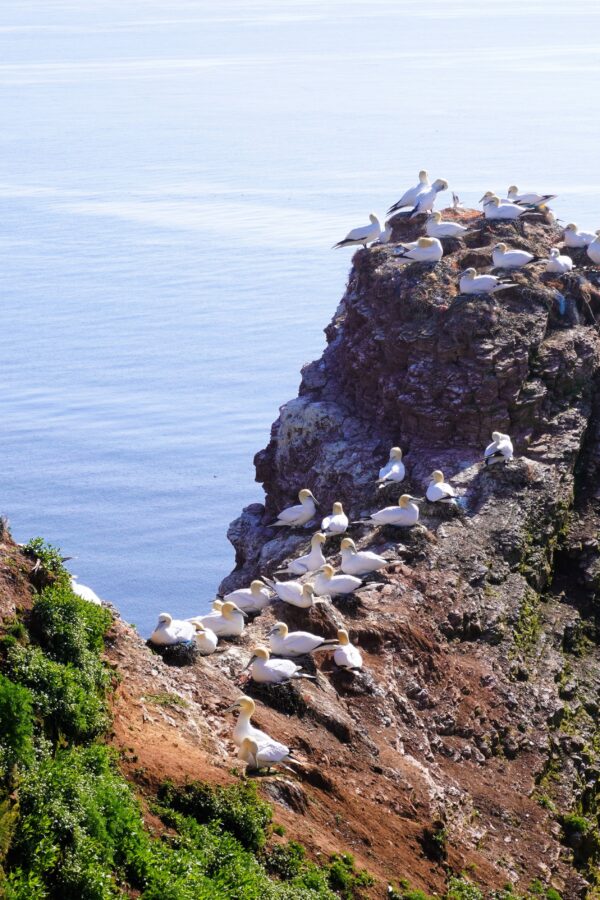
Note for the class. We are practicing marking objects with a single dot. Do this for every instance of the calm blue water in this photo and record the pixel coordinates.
(172, 176)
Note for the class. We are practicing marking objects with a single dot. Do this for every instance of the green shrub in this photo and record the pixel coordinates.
(50, 558)
(343, 877)
(459, 888)
(68, 627)
(16, 726)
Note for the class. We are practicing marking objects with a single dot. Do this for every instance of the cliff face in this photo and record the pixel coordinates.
(477, 709)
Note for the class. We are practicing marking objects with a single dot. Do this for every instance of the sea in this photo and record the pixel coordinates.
(173, 175)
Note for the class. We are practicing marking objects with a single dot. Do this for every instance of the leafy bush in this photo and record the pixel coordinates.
(461, 889)
(16, 726)
(344, 878)
(69, 628)
(50, 558)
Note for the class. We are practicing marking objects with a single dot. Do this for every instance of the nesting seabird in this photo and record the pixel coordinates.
(347, 656)
(573, 237)
(439, 491)
(265, 670)
(170, 631)
(472, 283)
(593, 250)
(425, 201)
(557, 263)
(244, 727)
(500, 450)
(410, 197)
(393, 470)
(295, 516)
(506, 258)
(227, 623)
(206, 640)
(252, 599)
(435, 227)
(427, 249)
(332, 585)
(495, 209)
(337, 522)
(296, 643)
(311, 561)
(405, 514)
(295, 593)
(528, 198)
(365, 234)
(362, 562)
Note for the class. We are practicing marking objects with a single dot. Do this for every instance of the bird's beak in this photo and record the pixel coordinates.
(482, 199)
(230, 708)
(247, 666)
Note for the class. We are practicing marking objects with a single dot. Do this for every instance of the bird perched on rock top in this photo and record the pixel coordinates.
(264, 755)
(495, 209)
(472, 283)
(170, 631)
(528, 198)
(439, 491)
(296, 643)
(593, 250)
(206, 639)
(425, 201)
(294, 516)
(347, 656)
(505, 258)
(405, 514)
(337, 522)
(227, 623)
(573, 237)
(500, 450)
(410, 197)
(394, 470)
(327, 582)
(311, 561)
(265, 670)
(427, 250)
(435, 227)
(359, 563)
(294, 593)
(364, 234)
(490, 195)
(252, 599)
(557, 263)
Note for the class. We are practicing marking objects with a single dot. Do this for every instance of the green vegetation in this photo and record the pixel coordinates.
(528, 626)
(460, 888)
(71, 828)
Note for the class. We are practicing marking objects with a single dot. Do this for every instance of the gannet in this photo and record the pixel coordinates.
(359, 563)
(428, 249)
(85, 592)
(310, 562)
(265, 670)
(557, 263)
(337, 522)
(171, 631)
(264, 755)
(424, 202)
(216, 607)
(206, 640)
(296, 643)
(490, 195)
(243, 727)
(472, 283)
(394, 470)
(440, 491)
(504, 258)
(410, 197)
(435, 227)
(294, 593)
(593, 249)
(327, 582)
(347, 656)
(405, 514)
(500, 450)
(384, 237)
(494, 209)
(294, 516)
(228, 623)
(364, 235)
(573, 237)
(252, 599)
(529, 198)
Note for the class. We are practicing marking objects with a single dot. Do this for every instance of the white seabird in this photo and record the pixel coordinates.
(435, 227)
(410, 197)
(327, 582)
(425, 201)
(593, 250)
(500, 450)
(384, 237)
(573, 237)
(347, 656)
(264, 755)
(557, 263)
(252, 599)
(362, 562)
(296, 643)
(405, 514)
(170, 631)
(244, 727)
(294, 593)
(85, 592)
(295, 516)
(364, 234)
(490, 195)
(428, 249)
(265, 670)
(505, 258)
(206, 640)
(394, 470)
(529, 198)
(472, 283)
(494, 209)
(439, 491)
(311, 561)
(228, 623)
(337, 522)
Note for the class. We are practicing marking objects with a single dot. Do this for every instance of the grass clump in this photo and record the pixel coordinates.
(16, 734)
(528, 626)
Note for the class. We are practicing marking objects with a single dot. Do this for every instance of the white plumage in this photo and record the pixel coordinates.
(557, 263)
(265, 670)
(410, 197)
(206, 640)
(170, 631)
(472, 283)
(262, 755)
(337, 522)
(295, 516)
(85, 592)
(531, 198)
(405, 514)
(311, 561)
(505, 258)
(494, 209)
(394, 469)
(573, 237)
(296, 643)
(364, 234)
(439, 491)
(436, 228)
(427, 249)
(252, 599)
(425, 201)
(244, 727)
(500, 450)
(326, 582)
(359, 562)
(347, 656)
(229, 622)
(593, 249)
(294, 593)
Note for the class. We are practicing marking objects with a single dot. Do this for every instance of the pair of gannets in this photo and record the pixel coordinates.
(295, 516)
(424, 249)
(500, 450)
(256, 748)
(436, 228)
(85, 592)
(472, 283)
(410, 196)
(170, 631)
(573, 237)
(296, 643)
(494, 208)
(252, 599)
(366, 234)
(228, 621)
(557, 263)
(426, 200)
(393, 471)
